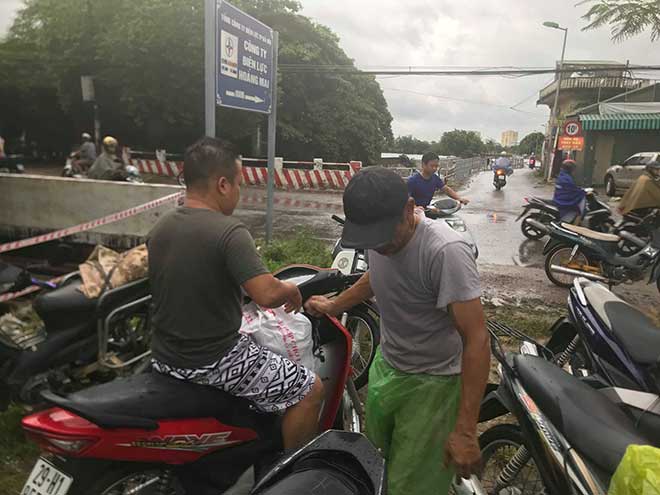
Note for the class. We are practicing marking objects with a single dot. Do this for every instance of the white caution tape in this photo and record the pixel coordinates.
(113, 217)
(28, 290)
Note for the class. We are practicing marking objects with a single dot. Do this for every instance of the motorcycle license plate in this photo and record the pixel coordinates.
(46, 479)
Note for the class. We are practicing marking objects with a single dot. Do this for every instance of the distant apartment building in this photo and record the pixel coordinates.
(509, 138)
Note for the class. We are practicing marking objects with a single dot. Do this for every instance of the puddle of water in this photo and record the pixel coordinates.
(494, 217)
(530, 253)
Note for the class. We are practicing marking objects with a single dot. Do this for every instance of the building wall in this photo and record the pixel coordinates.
(509, 138)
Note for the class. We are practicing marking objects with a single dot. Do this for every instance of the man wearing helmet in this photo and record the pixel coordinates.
(86, 154)
(503, 162)
(108, 166)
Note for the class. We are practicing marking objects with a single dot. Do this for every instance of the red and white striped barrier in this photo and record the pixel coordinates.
(288, 177)
(82, 227)
(157, 167)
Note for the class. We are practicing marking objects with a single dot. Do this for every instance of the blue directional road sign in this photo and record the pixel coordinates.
(245, 61)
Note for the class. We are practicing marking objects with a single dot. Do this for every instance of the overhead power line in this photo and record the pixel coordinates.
(414, 71)
(461, 100)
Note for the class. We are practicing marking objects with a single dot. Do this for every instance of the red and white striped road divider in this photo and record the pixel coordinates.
(28, 290)
(285, 178)
(291, 202)
(156, 167)
(288, 178)
(92, 224)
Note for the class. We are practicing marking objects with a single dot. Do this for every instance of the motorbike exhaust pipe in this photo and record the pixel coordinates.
(578, 273)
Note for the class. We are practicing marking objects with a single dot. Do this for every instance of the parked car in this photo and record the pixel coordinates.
(623, 176)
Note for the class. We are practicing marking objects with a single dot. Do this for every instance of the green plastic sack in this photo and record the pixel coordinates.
(408, 418)
(638, 473)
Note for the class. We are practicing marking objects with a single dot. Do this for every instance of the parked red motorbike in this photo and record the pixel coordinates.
(152, 434)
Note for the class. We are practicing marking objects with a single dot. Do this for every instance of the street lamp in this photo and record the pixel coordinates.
(554, 25)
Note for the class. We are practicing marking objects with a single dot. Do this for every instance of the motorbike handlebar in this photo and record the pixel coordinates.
(339, 220)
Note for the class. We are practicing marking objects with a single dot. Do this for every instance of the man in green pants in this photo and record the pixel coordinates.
(430, 373)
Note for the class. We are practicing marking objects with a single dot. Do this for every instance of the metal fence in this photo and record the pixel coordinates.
(463, 168)
(460, 169)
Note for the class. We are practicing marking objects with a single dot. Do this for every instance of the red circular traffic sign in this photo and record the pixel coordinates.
(572, 128)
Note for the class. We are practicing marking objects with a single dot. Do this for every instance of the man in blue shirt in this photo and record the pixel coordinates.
(423, 185)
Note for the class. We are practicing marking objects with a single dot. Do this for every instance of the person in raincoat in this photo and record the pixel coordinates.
(568, 196)
(645, 192)
(107, 165)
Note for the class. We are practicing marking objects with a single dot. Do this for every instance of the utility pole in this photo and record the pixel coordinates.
(555, 107)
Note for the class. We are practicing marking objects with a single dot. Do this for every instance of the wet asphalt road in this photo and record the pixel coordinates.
(490, 216)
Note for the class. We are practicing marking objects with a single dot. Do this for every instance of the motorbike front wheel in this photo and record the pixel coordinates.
(365, 331)
(498, 445)
(561, 256)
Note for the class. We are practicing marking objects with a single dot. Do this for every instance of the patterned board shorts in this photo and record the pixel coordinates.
(271, 382)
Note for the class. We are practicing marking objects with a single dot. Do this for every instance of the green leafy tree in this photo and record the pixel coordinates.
(491, 146)
(459, 143)
(531, 143)
(147, 61)
(626, 18)
(410, 144)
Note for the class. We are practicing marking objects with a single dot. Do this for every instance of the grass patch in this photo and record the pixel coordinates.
(17, 455)
(531, 320)
(303, 248)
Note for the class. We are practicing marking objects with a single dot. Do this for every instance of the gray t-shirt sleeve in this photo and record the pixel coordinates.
(454, 274)
(241, 255)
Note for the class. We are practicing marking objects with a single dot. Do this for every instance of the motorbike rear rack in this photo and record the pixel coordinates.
(497, 330)
(111, 359)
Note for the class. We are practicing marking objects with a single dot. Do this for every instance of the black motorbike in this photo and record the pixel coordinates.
(598, 215)
(606, 341)
(569, 437)
(499, 178)
(335, 463)
(80, 339)
(574, 251)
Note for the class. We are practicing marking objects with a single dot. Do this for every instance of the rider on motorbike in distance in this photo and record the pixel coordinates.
(503, 162)
(568, 196)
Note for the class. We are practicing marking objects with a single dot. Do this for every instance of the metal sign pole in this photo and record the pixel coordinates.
(272, 127)
(210, 28)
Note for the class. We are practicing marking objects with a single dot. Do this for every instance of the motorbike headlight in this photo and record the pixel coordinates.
(457, 224)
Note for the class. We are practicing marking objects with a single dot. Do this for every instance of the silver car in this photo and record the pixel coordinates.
(623, 176)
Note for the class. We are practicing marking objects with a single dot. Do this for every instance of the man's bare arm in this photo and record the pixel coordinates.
(454, 195)
(359, 292)
(270, 292)
(462, 449)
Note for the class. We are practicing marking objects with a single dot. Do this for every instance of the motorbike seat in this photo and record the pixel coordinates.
(593, 424)
(636, 332)
(139, 401)
(66, 303)
(591, 234)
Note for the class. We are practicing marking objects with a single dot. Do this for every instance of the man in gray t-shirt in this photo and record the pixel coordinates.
(428, 378)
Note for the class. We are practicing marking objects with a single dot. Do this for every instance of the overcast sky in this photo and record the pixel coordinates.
(454, 33)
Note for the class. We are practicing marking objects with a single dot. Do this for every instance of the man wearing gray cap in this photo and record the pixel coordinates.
(429, 375)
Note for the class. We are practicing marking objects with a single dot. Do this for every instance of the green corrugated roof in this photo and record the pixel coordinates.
(621, 122)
